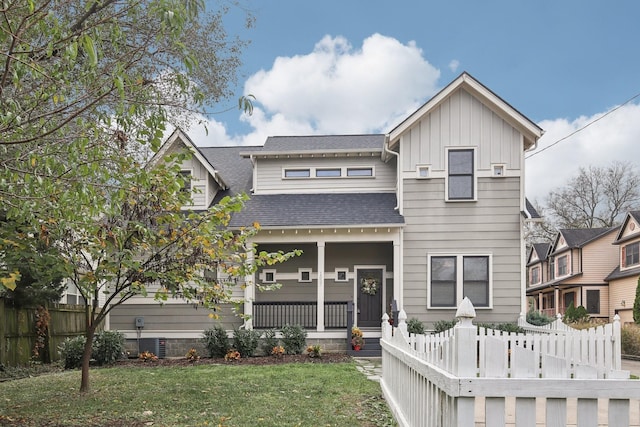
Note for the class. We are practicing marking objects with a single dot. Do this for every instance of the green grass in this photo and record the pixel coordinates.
(206, 395)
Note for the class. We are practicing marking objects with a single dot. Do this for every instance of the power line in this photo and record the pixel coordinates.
(584, 127)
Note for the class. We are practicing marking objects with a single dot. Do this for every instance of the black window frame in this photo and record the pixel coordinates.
(454, 173)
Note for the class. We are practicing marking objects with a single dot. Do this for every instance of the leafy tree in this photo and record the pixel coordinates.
(636, 304)
(596, 197)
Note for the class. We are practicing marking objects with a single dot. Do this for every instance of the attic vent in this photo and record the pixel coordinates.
(157, 346)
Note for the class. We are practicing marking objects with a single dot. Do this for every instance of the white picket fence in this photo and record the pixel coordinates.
(471, 376)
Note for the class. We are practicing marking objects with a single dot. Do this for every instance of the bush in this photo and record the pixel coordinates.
(294, 339)
(71, 351)
(537, 318)
(575, 314)
(216, 341)
(504, 327)
(443, 325)
(415, 326)
(269, 342)
(630, 335)
(246, 341)
(108, 346)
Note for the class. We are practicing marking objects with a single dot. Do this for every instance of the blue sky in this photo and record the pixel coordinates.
(340, 67)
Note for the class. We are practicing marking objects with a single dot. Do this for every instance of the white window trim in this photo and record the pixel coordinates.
(346, 275)
(623, 259)
(343, 172)
(459, 279)
(497, 166)
(475, 174)
(305, 270)
(263, 276)
(557, 265)
(420, 168)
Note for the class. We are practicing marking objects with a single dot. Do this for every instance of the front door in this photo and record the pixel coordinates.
(370, 282)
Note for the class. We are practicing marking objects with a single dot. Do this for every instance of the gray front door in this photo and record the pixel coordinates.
(370, 283)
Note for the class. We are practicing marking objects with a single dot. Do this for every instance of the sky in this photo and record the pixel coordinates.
(352, 67)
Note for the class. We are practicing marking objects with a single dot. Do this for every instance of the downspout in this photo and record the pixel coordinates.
(393, 153)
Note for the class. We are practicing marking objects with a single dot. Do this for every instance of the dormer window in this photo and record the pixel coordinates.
(185, 175)
(631, 255)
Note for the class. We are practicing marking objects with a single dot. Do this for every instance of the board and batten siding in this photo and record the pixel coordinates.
(491, 225)
(461, 120)
(269, 179)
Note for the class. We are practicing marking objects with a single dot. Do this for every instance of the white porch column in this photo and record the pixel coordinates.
(556, 300)
(320, 325)
(249, 292)
(397, 272)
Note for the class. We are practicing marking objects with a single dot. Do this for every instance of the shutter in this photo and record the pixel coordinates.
(623, 262)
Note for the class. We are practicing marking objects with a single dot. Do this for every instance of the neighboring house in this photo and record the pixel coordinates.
(623, 281)
(424, 215)
(572, 270)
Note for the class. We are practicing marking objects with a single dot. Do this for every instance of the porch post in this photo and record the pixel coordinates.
(320, 308)
(249, 293)
(556, 300)
(397, 274)
(540, 301)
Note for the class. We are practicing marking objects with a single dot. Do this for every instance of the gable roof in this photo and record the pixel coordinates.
(177, 137)
(236, 170)
(619, 237)
(531, 131)
(319, 210)
(542, 250)
(580, 237)
(530, 211)
(318, 144)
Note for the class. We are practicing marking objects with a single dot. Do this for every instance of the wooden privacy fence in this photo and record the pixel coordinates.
(471, 376)
(18, 331)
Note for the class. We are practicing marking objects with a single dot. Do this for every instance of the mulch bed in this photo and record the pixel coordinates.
(259, 360)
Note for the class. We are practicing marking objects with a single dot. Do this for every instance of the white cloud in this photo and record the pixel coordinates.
(453, 65)
(614, 137)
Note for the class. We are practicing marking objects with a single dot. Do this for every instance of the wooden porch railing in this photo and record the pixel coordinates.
(268, 315)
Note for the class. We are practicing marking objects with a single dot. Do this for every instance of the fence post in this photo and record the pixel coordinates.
(402, 324)
(465, 359)
(617, 343)
(386, 327)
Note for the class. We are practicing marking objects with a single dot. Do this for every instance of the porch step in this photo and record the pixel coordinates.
(371, 348)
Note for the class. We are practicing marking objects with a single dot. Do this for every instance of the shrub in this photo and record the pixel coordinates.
(192, 355)
(232, 355)
(71, 351)
(269, 341)
(314, 351)
(630, 335)
(415, 326)
(246, 341)
(443, 325)
(108, 346)
(216, 341)
(504, 327)
(537, 318)
(575, 314)
(294, 339)
(277, 351)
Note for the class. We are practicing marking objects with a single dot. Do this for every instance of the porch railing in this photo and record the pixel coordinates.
(268, 315)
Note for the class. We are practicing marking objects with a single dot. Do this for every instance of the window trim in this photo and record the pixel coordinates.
(459, 268)
(312, 172)
(286, 171)
(495, 167)
(349, 169)
(301, 272)
(426, 169)
(266, 272)
(537, 269)
(567, 266)
(339, 170)
(346, 275)
(188, 187)
(624, 253)
(474, 175)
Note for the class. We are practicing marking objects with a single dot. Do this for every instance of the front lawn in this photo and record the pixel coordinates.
(206, 395)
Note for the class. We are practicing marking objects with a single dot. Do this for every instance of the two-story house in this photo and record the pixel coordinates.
(572, 270)
(424, 215)
(623, 281)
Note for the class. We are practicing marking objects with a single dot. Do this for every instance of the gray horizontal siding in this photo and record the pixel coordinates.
(169, 317)
(489, 225)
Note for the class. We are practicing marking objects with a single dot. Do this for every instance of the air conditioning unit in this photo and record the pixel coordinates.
(157, 346)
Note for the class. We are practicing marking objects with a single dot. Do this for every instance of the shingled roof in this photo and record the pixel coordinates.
(235, 169)
(320, 143)
(314, 210)
(578, 237)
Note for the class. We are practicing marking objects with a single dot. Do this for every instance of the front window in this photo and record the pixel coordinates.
(453, 277)
(535, 275)
(593, 301)
(562, 264)
(460, 175)
(186, 181)
(631, 254)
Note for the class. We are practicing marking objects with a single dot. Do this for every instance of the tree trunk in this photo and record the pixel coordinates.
(86, 358)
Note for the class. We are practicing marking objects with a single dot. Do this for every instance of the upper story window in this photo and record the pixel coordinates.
(339, 172)
(461, 175)
(562, 264)
(631, 254)
(186, 180)
(297, 173)
(535, 275)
